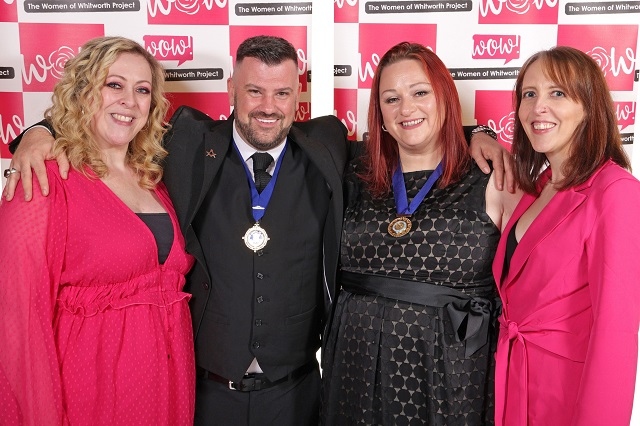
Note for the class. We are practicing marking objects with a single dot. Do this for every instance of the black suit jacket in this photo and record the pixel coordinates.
(197, 147)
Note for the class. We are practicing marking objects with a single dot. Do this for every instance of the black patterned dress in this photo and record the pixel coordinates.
(413, 334)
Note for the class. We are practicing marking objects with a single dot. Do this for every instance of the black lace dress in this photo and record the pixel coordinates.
(413, 333)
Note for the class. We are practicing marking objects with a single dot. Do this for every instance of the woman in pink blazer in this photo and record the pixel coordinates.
(568, 263)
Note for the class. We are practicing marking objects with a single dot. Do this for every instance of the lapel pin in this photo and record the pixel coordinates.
(210, 153)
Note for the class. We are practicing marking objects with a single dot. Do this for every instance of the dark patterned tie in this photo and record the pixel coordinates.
(261, 161)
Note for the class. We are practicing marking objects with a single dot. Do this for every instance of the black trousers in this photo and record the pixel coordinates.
(293, 403)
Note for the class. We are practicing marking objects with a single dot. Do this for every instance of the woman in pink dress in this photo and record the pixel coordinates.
(567, 264)
(95, 328)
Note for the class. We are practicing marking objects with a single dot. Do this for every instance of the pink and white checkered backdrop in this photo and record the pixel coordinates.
(482, 42)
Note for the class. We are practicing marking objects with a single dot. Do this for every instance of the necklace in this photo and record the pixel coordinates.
(401, 225)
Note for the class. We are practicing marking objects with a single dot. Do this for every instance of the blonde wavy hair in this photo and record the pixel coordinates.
(77, 97)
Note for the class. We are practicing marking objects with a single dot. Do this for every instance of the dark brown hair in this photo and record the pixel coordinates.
(595, 140)
(270, 50)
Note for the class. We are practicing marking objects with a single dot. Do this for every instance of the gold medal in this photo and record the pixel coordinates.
(256, 237)
(399, 226)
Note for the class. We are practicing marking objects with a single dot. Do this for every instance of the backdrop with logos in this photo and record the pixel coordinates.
(483, 43)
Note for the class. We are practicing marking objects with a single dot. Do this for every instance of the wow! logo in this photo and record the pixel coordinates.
(170, 48)
(11, 120)
(625, 113)
(188, 12)
(345, 10)
(372, 47)
(346, 109)
(494, 108)
(518, 12)
(47, 47)
(613, 47)
(8, 12)
(505, 47)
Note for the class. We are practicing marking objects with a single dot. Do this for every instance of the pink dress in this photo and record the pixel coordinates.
(93, 330)
(568, 344)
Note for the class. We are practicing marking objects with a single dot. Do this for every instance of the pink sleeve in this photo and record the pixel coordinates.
(32, 240)
(607, 387)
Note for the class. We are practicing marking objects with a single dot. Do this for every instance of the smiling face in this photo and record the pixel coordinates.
(126, 100)
(549, 117)
(265, 99)
(410, 111)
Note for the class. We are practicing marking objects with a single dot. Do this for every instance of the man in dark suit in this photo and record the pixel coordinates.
(264, 278)
(258, 300)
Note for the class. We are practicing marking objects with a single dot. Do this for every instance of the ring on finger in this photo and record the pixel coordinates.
(9, 172)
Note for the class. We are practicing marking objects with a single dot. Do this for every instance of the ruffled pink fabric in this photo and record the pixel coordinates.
(94, 330)
(158, 288)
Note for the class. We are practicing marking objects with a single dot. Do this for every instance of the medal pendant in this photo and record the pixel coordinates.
(399, 226)
(256, 237)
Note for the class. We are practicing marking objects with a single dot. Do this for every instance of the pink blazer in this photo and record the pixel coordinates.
(568, 344)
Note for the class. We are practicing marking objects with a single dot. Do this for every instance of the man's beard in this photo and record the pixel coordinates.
(252, 137)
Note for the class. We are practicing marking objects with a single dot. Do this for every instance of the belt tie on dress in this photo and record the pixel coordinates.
(470, 316)
(512, 332)
(551, 327)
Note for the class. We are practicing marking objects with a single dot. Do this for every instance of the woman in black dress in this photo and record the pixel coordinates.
(413, 331)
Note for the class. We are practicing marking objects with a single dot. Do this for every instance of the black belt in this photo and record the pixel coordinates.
(259, 381)
(470, 316)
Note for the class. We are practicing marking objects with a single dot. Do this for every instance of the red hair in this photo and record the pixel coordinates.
(381, 158)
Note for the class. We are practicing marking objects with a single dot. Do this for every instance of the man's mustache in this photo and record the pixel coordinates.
(266, 116)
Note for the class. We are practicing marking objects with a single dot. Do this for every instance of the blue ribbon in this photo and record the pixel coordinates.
(260, 200)
(400, 191)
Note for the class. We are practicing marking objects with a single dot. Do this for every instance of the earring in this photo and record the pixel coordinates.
(384, 129)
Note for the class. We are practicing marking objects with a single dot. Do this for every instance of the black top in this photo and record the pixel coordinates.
(162, 230)
(512, 243)
(452, 241)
